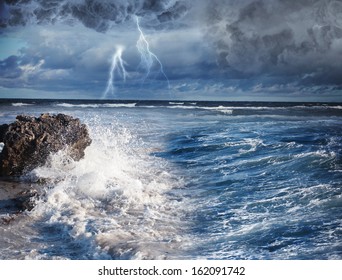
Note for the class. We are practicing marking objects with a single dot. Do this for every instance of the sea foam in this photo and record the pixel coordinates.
(115, 200)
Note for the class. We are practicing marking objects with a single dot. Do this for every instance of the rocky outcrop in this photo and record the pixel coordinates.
(17, 197)
(3, 129)
(29, 141)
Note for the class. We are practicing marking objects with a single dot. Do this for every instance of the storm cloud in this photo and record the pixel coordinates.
(100, 15)
(295, 40)
(9, 67)
(228, 45)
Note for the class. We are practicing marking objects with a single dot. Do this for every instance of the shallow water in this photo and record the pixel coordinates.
(187, 180)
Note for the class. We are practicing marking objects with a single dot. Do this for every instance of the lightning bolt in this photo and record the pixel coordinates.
(147, 56)
(117, 66)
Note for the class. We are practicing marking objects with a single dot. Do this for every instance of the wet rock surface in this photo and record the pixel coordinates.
(27, 144)
(29, 141)
(17, 197)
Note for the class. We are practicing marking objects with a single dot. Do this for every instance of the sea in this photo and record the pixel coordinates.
(184, 180)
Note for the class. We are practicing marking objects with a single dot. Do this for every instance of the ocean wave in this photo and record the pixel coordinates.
(115, 200)
(119, 105)
(221, 109)
(20, 104)
(186, 181)
(228, 110)
(319, 153)
(336, 107)
(106, 105)
(171, 105)
(69, 105)
(176, 103)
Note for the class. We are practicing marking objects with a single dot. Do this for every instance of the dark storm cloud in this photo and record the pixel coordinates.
(96, 14)
(252, 45)
(9, 67)
(299, 40)
(296, 40)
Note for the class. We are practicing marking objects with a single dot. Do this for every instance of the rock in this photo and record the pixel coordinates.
(3, 129)
(26, 200)
(17, 197)
(29, 141)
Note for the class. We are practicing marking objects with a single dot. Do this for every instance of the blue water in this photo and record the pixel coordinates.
(187, 180)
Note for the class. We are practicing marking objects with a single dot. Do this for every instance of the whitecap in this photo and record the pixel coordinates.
(115, 200)
(20, 104)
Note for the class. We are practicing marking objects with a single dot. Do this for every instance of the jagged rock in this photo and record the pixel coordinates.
(26, 200)
(17, 197)
(3, 129)
(29, 141)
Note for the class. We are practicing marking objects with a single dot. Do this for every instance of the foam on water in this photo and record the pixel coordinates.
(68, 105)
(165, 180)
(266, 187)
(115, 203)
(128, 105)
(20, 104)
(106, 105)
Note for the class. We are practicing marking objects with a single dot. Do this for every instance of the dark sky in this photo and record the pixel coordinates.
(218, 49)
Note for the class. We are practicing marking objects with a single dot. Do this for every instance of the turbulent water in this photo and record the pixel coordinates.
(186, 180)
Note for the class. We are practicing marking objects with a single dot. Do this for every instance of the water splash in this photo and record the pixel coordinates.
(148, 58)
(117, 66)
